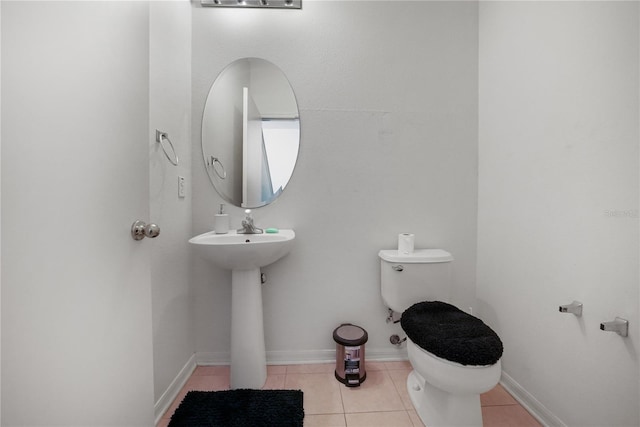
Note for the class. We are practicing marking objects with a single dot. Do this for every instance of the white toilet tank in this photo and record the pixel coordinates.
(406, 279)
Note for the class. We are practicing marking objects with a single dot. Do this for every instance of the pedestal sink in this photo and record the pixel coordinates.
(244, 255)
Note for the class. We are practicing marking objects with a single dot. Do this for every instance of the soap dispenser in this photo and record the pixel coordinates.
(221, 221)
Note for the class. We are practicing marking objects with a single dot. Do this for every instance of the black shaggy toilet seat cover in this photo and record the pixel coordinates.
(448, 332)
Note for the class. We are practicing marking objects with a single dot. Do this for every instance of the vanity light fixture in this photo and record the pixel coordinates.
(260, 4)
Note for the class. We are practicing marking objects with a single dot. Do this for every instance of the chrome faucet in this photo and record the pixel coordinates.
(619, 326)
(247, 225)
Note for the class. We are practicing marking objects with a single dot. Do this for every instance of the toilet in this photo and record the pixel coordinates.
(455, 356)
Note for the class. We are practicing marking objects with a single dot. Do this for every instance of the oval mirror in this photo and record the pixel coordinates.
(250, 132)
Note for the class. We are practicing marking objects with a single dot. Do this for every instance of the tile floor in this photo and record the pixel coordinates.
(381, 400)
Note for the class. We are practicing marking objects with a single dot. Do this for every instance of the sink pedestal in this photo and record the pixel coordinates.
(244, 255)
(248, 354)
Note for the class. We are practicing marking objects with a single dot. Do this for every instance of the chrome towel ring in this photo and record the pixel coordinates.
(163, 136)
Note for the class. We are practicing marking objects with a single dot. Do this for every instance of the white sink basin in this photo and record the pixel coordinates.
(235, 251)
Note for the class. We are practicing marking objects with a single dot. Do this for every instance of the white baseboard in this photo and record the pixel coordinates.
(293, 357)
(213, 358)
(174, 388)
(530, 403)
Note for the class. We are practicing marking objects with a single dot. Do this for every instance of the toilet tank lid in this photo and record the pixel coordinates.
(417, 256)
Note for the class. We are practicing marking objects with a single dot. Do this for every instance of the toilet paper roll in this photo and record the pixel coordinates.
(405, 243)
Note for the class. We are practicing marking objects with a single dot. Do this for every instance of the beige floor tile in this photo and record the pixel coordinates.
(321, 393)
(274, 382)
(211, 370)
(497, 396)
(415, 419)
(374, 366)
(507, 416)
(276, 369)
(399, 378)
(207, 383)
(379, 419)
(376, 393)
(316, 368)
(324, 420)
(401, 364)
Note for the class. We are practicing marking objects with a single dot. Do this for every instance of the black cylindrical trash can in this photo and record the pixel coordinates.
(350, 340)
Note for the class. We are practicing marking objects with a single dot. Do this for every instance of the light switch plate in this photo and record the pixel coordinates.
(181, 187)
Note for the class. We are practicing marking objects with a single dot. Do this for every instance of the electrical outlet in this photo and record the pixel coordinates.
(181, 187)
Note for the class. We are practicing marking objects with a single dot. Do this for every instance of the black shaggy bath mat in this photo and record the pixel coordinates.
(240, 408)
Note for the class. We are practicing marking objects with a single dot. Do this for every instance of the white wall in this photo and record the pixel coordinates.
(0, 209)
(76, 297)
(558, 201)
(170, 111)
(388, 103)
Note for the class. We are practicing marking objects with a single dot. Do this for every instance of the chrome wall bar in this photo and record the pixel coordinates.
(262, 4)
(619, 326)
(574, 308)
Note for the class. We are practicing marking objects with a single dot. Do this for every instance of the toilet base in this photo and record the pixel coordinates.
(439, 408)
